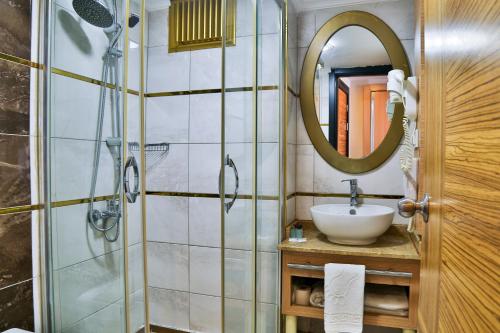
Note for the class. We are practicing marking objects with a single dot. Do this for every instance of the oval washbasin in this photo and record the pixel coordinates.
(342, 227)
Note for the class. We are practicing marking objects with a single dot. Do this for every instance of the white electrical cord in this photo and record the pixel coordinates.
(407, 151)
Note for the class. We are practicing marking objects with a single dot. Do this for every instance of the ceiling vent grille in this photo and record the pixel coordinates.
(197, 24)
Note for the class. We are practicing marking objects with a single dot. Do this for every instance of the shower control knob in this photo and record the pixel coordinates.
(95, 215)
(408, 207)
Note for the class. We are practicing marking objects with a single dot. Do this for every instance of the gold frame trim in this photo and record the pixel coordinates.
(398, 59)
(87, 79)
(55, 204)
(20, 61)
(207, 91)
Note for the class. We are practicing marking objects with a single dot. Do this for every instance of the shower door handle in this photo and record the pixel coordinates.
(229, 162)
(131, 195)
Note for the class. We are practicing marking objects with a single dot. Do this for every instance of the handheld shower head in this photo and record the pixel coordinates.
(94, 12)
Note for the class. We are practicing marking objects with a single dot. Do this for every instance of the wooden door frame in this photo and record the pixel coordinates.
(431, 153)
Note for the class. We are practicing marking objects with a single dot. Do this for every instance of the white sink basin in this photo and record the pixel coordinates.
(339, 226)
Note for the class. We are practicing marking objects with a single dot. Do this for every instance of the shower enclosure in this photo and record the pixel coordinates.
(162, 157)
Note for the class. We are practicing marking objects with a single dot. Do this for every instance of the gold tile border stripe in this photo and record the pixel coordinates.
(293, 92)
(343, 195)
(206, 91)
(55, 204)
(87, 79)
(20, 61)
(209, 195)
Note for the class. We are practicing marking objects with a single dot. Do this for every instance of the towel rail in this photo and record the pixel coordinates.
(368, 271)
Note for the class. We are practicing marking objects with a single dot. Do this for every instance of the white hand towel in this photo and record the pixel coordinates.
(344, 298)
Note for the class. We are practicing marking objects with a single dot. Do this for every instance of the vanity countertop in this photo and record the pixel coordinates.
(395, 243)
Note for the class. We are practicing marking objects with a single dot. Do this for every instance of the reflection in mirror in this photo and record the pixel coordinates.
(350, 91)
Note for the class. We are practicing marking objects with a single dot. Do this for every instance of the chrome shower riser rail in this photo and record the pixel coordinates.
(367, 272)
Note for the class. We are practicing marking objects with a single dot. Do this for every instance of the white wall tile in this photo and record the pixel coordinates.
(386, 179)
(167, 219)
(171, 173)
(110, 318)
(204, 167)
(305, 168)
(269, 59)
(167, 119)
(135, 268)
(167, 71)
(239, 63)
(76, 240)
(238, 274)
(241, 154)
(72, 162)
(206, 69)
(267, 225)
(238, 225)
(267, 317)
(168, 266)
(205, 118)
(134, 222)
(302, 136)
(268, 115)
(245, 17)
(204, 268)
(78, 46)
(303, 206)
(89, 286)
(291, 171)
(134, 120)
(306, 29)
(75, 107)
(269, 17)
(238, 318)
(169, 308)
(267, 277)
(204, 222)
(238, 113)
(399, 15)
(290, 207)
(268, 168)
(158, 28)
(204, 313)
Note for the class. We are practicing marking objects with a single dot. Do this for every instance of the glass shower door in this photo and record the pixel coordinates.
(251, 159)
(92, 236)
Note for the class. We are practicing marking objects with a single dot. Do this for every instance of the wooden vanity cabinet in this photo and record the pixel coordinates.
(392, 261)
(378, 264)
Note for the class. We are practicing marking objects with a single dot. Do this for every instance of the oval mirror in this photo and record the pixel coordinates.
(343, 91)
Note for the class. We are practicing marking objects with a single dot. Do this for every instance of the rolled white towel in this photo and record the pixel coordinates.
(317, 298)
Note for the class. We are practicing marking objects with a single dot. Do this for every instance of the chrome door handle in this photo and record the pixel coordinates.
(230, 163)
(131, 195)
(408, 207)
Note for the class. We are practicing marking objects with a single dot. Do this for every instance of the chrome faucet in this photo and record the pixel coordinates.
(354, 191)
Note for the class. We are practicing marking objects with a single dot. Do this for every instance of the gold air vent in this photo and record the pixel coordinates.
(197, 24)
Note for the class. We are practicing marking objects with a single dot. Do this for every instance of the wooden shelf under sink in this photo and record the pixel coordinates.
(399, 258)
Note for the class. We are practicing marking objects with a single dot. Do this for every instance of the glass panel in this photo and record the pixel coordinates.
(239, 145)
(269, 79)
(85, 112)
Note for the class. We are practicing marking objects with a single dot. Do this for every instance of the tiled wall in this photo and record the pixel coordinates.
(184, 236)
(313, 173)
(16, 142)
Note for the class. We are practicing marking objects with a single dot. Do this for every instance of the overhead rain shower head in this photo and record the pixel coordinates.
(94, 12)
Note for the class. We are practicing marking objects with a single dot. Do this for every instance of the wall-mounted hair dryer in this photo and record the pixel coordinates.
(405, 92)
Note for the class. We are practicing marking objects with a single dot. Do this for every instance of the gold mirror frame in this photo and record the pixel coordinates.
(398, 59)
